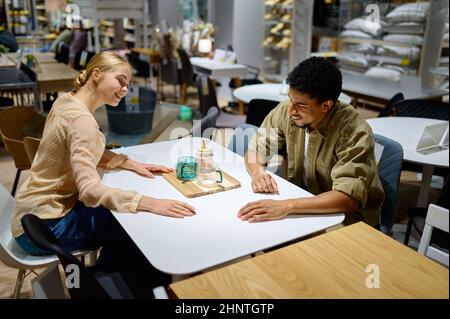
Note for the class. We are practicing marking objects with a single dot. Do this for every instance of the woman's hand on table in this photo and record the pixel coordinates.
(166, 207)
(148, 170)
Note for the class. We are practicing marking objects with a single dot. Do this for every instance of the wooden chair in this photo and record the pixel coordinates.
(31, 146)
(12, 123)
(208, 98)
(186, 75)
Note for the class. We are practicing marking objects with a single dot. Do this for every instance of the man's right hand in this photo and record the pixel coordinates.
(264, 183)
(166, 207)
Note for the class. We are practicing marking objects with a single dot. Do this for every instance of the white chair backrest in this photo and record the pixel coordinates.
(11, 254)
(6, 209)
(436, 217)
(160, 293)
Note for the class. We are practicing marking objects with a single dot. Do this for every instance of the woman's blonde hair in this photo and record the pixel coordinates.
(104, 61)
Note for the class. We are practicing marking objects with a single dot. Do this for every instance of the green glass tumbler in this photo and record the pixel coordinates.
(186, 168)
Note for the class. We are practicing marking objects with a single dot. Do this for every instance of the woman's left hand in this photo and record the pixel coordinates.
(148, 170)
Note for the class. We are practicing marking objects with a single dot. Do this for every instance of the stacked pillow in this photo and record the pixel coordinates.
(363, 24)
(363, 28)
(406, 24)
(410, 12)
(386, 72)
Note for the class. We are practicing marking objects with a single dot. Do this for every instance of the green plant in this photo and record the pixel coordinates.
(3, 49)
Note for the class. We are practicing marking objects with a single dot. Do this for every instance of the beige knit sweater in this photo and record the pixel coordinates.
(64, 169)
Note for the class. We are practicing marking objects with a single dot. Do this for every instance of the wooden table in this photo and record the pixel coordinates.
(332, 265)
(154, 55)
(55, 77)
(41, 57)
(51, 75)
(5, 61)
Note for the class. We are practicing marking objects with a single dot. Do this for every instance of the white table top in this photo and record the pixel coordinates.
(214, 235)
(218, 69)
(270, 91)
(407, 131)
(379, 88)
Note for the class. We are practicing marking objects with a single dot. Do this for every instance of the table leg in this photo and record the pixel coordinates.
(239, 102)
(158, 80)
(427, 174)
(37, 99)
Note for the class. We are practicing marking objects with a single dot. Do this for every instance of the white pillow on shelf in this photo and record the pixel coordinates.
(364, 48)
(384, 73)
(356, 60)
(364, 25)
(412, 53)
(355, 34)
(405, 38)
(410, 12)
(406, 28)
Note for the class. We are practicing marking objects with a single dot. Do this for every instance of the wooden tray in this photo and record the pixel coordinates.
(192, 189)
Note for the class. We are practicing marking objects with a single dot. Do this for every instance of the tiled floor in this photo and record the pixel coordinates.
(408, 189)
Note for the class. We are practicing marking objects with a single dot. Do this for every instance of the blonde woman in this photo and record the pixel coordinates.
(64, 187)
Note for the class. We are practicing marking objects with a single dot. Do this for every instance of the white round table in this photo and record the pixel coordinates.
(407, 131)
(270, 91)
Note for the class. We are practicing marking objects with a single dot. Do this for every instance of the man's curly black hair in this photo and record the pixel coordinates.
(318, 77)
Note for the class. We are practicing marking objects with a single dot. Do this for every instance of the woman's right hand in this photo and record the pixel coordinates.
(166, 207)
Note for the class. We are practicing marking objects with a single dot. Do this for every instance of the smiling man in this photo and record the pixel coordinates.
(329, 147)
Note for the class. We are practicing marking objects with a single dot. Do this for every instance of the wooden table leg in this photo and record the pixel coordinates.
(239, 102)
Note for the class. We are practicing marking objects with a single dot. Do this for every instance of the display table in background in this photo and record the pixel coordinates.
(407, 131)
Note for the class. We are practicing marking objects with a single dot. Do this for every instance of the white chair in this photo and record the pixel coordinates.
(48, 284)
(436, 217)
(160, 293)
(11, 254)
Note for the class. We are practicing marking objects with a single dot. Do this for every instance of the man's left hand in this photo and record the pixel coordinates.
(263, 210)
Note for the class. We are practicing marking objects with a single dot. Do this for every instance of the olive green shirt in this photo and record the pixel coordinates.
(340, 156)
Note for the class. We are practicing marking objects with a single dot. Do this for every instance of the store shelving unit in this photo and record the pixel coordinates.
(19, 16)
(106, 29)
(40, 15)
(134, 32)
(430, 48)
(411, 65)
(286, 37)
(113, 10)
